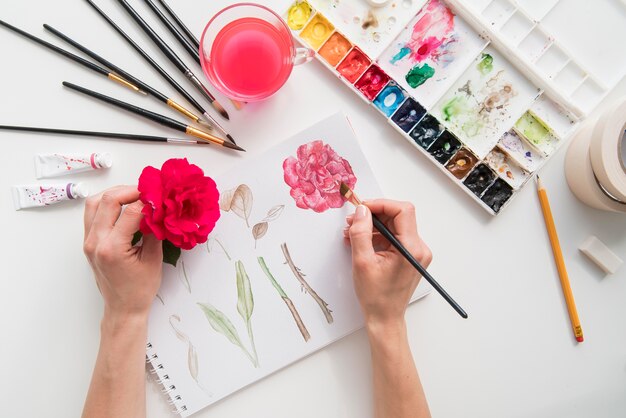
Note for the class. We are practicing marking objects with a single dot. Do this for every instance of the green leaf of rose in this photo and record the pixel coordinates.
(171, 253)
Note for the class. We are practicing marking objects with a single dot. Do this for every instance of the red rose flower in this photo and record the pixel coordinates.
(181, 203)
(314, 176)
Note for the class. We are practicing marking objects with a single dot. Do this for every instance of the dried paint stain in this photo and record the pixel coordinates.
(419, 74)
(408, 115)
(427, 131)
(485, 65)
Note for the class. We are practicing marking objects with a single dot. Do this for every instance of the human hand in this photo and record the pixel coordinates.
(384, 281)
(128, 276)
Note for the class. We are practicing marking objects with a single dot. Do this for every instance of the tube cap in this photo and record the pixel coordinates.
(79, 190)
(104, 160)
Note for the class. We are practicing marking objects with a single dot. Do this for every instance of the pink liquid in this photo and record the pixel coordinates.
(251, 58)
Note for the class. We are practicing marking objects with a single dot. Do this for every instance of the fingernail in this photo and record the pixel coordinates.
(361, 212)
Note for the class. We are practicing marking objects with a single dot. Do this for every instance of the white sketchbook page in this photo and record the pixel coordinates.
(316, 245)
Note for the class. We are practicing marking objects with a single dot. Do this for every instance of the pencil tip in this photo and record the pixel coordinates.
(220, 109)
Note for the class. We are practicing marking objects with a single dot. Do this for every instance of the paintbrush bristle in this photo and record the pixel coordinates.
(231, 139)
(344, 190)
(220, 109)
(233, 146)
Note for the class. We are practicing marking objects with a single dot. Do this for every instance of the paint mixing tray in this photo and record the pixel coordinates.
(488, 89)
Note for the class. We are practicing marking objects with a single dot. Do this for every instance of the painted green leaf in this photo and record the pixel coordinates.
(271, 278)
(245, 300)
(220, 323)
(171, 253)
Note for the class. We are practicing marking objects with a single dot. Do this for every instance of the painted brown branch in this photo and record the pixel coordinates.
(300, 277)
(296, 317)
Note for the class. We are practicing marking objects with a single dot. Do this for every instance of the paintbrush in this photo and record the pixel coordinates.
(87, 64)
(111, 135)
(350, 196)
(160, 70)
(175, 32)
(149, 89)
(180, 24)
(171, 55)
(155, 117)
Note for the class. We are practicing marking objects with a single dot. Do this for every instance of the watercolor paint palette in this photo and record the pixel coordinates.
(450, 85)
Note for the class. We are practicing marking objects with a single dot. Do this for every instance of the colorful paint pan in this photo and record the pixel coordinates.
(497, 195)
(317, 31)
(444, 147)
(536, 133)
(479, 179)
(335, 48)
(372, 82)
(408, 115)
(462, 163)
(426, 131)
(506, 168)
(520, 151)
(390, 99)
(298, 15)
(354, 65)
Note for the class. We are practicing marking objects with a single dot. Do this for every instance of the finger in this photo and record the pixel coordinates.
(91, 207)
(361, 235)
(128, 223)
(109, 209)
(152, 249)
(402, 216)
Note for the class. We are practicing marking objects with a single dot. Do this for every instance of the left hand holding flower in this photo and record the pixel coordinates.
(128, 276)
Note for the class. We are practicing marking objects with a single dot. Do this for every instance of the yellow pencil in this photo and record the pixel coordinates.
(560, 264)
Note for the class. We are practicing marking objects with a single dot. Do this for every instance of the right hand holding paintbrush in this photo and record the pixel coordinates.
(384, 281)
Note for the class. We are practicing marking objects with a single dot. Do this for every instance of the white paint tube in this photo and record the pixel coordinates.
(45, 195)
(54, 165)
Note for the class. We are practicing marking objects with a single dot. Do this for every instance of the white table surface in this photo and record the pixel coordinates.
(514, 357)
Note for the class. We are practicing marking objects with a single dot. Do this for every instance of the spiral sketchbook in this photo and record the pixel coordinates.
(273, 283)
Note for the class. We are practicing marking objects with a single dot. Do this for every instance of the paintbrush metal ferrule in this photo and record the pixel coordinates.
(195, 132)
(187, 113)
(219, 127)
(125, 83)
(179, 141)
(207, 94)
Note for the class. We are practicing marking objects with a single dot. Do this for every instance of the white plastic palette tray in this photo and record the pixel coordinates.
(489, 89)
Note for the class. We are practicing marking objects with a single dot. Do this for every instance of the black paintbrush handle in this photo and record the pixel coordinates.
(380, 226)
(111, 135)
(95, 134)
(154, 92)
(149, 59)
(56, 49)
(163, 120)
(180, 24)
(171, 55)
(174, 31)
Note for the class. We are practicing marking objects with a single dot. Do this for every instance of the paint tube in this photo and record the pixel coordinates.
(46, 195)
(53, 165)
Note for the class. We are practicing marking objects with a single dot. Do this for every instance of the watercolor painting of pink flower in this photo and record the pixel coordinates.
(314, 175)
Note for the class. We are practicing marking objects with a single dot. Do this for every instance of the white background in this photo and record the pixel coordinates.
(514, 357)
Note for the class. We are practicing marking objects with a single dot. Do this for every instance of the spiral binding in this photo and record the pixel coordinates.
(168, 388)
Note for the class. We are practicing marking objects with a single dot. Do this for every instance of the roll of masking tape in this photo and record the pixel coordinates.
(594, 164)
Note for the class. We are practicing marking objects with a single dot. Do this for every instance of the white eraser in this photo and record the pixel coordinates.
(601, 255)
